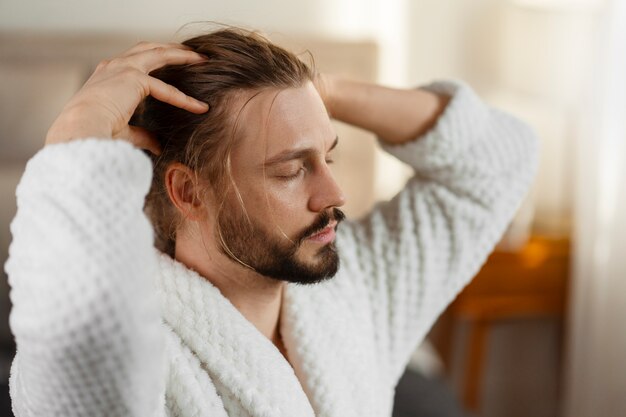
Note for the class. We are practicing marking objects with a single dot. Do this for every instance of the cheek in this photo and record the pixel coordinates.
(287, 200)
(288, 209)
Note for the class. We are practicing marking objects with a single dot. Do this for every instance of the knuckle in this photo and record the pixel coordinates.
(116, 62)
(172, 91)
(103, 64)
(161, 50)
(176, 94)
(130, 72)
(143, 88)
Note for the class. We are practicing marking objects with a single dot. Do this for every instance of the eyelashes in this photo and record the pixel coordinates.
(292, 177)
(299, 172)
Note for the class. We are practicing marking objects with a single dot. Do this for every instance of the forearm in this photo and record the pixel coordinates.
(81, 266)
(394, 115)
(472, 171)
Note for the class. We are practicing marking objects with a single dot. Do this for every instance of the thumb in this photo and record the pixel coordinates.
(141, 138)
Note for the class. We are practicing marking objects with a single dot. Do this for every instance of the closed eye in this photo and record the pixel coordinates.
(300, 171)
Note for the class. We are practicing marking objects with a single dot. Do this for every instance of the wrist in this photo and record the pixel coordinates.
(325, 85)
(73, 124)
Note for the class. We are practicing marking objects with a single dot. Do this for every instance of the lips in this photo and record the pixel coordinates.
(326, 235)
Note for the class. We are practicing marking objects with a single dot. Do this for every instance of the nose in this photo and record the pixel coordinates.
(326, 193)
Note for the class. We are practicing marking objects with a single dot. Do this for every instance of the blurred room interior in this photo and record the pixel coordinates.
(538, 332)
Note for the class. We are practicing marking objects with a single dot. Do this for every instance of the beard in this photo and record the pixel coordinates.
(276, 257)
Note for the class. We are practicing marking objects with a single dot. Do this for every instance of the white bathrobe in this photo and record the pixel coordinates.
(106, 325)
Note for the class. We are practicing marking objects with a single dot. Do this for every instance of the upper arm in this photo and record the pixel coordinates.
(417, 251)
(81, 265)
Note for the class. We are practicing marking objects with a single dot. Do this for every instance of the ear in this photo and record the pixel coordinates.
(184, 191)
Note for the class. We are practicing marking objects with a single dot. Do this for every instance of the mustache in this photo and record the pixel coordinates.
(321, 223)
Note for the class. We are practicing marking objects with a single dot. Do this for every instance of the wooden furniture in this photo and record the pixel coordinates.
(529, 283)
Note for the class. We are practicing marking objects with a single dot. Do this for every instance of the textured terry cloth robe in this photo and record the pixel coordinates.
(106, 325)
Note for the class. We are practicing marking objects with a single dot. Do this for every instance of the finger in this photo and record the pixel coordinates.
(145, 46)
(171, 95)
(141, 138)
(152, 59)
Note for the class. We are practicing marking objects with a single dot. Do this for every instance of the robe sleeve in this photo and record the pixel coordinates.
(81, 268)
(415, 253)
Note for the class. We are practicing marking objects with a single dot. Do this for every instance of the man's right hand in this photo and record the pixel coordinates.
(104, 105)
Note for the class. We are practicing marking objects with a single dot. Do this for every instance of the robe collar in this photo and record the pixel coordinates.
(247, 363)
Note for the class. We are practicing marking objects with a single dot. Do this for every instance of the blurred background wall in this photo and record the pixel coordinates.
(554, 63)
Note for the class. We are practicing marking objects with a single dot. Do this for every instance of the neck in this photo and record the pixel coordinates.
(258, 298)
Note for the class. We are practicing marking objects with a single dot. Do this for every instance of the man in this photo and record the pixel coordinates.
(271, 305)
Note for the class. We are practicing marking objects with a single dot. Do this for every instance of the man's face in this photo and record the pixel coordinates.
(281, 170)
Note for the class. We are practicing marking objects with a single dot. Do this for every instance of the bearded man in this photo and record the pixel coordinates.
(179, 247)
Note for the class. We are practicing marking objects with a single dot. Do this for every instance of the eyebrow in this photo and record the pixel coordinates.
(289, 155)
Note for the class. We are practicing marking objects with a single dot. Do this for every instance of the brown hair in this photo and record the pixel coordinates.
(239, 60)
